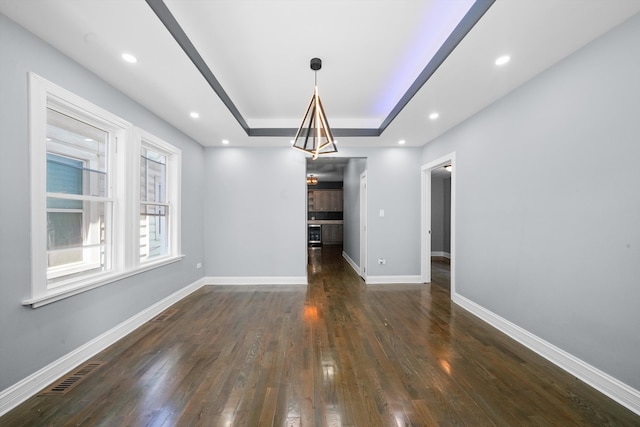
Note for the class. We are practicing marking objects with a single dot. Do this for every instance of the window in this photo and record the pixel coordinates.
(153, 206)
(78, 203)
(159, 196)
(83, 203)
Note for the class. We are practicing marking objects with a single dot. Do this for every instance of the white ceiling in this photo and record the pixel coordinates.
(259, 52)
(326, 168)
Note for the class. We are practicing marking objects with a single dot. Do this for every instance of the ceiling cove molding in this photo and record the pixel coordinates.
(479, 8)
(469, 20)
(166, 17)
(337, 132)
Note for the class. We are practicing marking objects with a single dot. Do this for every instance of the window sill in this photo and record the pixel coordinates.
(54, 294)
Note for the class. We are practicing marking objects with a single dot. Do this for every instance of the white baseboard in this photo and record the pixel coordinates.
(256, 280)
(383, 280)
(606, 384)
(351, 263)
(442, 254)
(24, 389)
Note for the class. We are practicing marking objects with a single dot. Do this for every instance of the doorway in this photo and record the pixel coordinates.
(427, 172)
(339, 175)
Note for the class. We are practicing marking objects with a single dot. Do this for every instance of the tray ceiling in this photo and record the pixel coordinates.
(373, 52)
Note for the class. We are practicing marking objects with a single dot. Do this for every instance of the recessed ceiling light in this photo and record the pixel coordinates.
(129, 58)
(225, 141)
(194, 115)
(88, 139)
(434, 116)
(503, 60)
(401, 142)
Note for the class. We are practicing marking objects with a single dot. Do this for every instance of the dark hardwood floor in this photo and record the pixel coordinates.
(334, 353)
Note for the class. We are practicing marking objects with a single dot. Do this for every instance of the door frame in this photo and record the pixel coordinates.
(425, 247)
(363, 225)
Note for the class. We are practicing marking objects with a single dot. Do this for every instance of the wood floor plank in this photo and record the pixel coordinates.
(334, 353)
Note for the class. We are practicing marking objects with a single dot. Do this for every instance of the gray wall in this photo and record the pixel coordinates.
(32, 338)
(255, 212)
(393, 184)
(255, 205)
(441, 213)
(446, 216)
(351, 215)
(437, 213)
(548, 207)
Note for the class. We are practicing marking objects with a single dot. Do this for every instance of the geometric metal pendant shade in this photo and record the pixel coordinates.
(314, 134)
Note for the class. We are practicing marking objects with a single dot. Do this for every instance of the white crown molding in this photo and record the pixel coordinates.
(601, 381)
(27, 387)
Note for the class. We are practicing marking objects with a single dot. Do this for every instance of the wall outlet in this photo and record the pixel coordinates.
(198, 266)
(382, 261)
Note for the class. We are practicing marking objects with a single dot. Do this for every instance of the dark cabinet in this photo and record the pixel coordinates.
(332, 234)
(325, 201)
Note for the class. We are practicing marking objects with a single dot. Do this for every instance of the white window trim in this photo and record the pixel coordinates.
(124, 263)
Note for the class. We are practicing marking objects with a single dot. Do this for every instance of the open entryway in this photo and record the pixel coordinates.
(438, 215)
(336, 208)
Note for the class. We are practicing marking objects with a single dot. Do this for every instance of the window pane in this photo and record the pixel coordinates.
(153, 170)
(76, 239)
(64, 175)
(77, 230)
(64, 234)
(154, 236)
(76, 156)
(64, 230)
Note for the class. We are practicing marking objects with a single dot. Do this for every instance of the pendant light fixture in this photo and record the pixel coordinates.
(314, 135)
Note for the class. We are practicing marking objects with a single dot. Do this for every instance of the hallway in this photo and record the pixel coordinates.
(334, 353)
